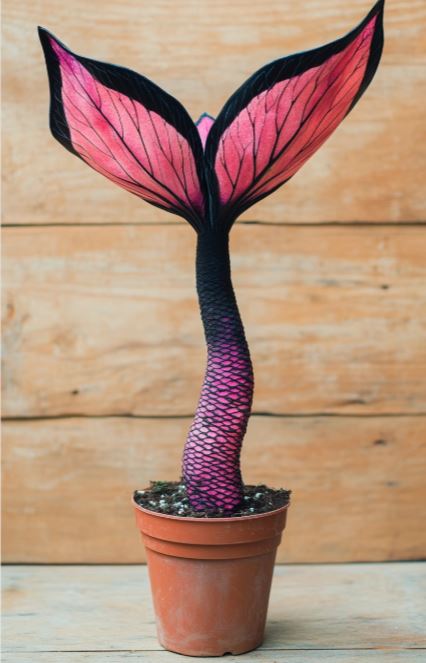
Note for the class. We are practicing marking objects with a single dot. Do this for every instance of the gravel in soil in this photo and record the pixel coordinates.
(170, 497)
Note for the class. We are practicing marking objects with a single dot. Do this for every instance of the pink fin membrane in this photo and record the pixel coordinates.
(204, 124)
(280, 128)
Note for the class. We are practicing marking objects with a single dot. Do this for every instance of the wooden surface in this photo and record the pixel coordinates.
(371, 169)
(354, 481)
(102, 341)
(344, 614)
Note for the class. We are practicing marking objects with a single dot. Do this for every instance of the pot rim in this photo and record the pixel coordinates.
(191, 519)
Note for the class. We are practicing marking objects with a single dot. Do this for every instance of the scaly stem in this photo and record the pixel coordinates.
(211, 463)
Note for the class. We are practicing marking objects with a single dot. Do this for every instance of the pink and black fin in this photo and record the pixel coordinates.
(130, 130)
(127, 128)
(283, 113)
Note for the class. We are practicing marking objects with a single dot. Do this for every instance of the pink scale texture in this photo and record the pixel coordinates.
(211, 462)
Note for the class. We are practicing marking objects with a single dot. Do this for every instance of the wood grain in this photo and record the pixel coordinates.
(103, 321)
(372, 169)
(318, 611)
(315, 656)
(355, 481)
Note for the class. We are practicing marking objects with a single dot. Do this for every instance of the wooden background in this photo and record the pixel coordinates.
(103, 346)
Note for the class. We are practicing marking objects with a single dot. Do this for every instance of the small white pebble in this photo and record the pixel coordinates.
(258, 495)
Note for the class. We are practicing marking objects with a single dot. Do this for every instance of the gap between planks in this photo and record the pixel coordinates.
(284, 224)
(266, 656)
(290, 415)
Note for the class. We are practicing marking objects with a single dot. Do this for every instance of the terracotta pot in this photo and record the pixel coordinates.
(210, 579)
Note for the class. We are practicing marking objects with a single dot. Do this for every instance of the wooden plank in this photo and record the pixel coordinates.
(68, 482)
(276, 656)
(105, 320)
(311, 608)
(372, 169)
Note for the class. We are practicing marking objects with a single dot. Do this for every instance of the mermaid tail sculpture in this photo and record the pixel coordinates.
(128, 129)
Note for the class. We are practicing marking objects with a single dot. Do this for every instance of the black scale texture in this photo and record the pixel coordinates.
(211, 463)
